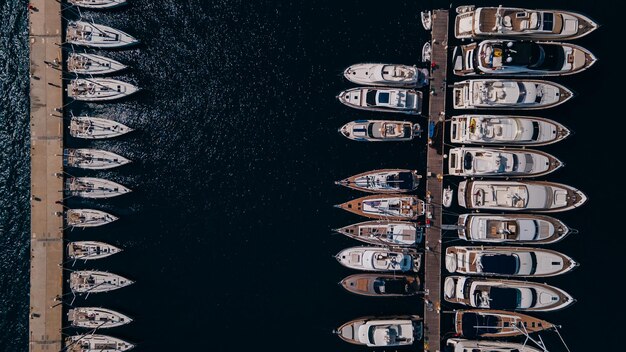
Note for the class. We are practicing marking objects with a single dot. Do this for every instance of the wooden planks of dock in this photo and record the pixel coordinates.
(46, 99)
(434, 182)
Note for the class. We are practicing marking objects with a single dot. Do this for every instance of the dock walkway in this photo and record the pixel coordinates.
(46, 98)
(434, 179)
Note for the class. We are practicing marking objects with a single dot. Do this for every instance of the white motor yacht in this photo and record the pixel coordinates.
(407, 101)
(96, 343)
(472, 161)
(505, 294)
(96, 35)
(91, 187)
(509, 94)
(385, 232)
(88, 127)
(91, 64)
(380, 130)
(380, 259)
(511, 228)
(540, 196)
(99, 89)
(382, 331)
(520, 58)
(383, 181)
(507, 261)
(462, 345)
(92, 159)
(505, 130)
(389, 75)
(96, 318)
(91, 281)
(88, 218)
(512, 22)
(89, 250)
(386, 207)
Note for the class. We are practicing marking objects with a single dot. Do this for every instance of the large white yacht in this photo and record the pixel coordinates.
(511, 228)
(506, 130)
(507, 261)
(386, 207)
(540, 196)
(383, 181)
(96, 343)
(88, 218)
(91, 187)
(380, 259)
(88, 127)
(511, 22)
(92, 159)
(462, 345)
(92, 64)
(473, 161)
(92, 281)
(407, 101)
(380, 130)
(382, 331)
(505, 294)
(99, 89)
(96, 318)
(389, 75)
(520, 58)
(509, 94)
(96, 35)
(384, 232)
(89, 250)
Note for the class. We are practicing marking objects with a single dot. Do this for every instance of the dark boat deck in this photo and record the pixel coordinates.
(434, 182)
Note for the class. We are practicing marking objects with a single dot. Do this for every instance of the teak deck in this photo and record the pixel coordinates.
(434, 185)
(46, 95)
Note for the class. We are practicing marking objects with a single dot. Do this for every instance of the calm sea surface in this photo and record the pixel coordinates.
(227, 232)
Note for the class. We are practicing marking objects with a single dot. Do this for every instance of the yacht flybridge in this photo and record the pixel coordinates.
(505, 294)
(492, 323)
(96, 343)
(386, 207)
(383, 181)
(520, 58)
(93, 159)
(99, 89)
(509, 94)
(96, 318)
(96, 35)
(510, 22)
(91, 281)
(88, 127)
(88, 218)
(389, 75)
(509, 130)
(89, 250)
(382, 331)
(97, 4)
(507, 261)
(380, 130)
(91, 64)
(540, 196)
(385, 232)
(471, 161)
(511, 228)
(380, 259)
(407, 101)
(91, 187)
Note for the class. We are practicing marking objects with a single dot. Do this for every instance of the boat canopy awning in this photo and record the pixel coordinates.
(504, 264)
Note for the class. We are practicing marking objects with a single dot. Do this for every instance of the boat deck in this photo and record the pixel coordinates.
(434, 184)
(46, 95)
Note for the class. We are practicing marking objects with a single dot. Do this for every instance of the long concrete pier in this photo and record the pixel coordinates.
(46, 129)
(434, 179)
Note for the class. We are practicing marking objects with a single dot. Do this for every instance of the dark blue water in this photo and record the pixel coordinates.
(227, 230)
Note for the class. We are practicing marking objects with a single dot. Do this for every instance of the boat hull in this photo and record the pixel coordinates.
(381, 285)
(386, 207)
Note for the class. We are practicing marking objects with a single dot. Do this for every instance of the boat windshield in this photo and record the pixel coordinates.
(504, 298)
(370, 98)
(500, 264)
(468, 159)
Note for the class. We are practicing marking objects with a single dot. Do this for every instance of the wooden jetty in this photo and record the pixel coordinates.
(434, 182)
(46, 129)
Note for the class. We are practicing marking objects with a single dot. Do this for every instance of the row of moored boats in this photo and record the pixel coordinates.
(515, 43)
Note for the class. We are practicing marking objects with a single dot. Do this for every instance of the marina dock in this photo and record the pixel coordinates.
(434, 182)
(46, 100)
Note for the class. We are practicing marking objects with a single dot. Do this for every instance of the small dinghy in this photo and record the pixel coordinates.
(426, 51)
(448, 195)
(427, 21)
